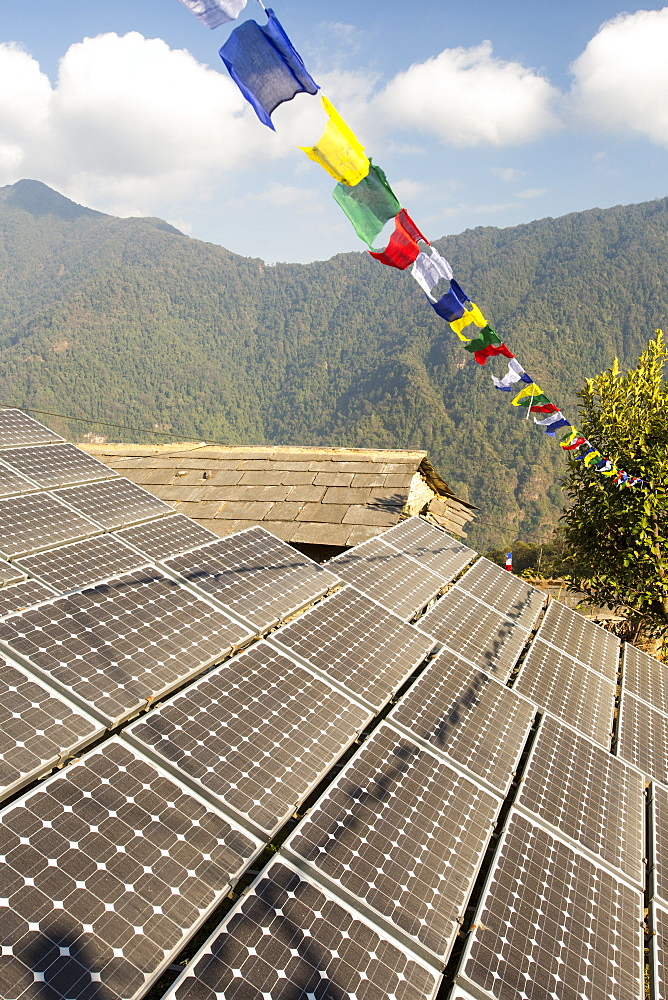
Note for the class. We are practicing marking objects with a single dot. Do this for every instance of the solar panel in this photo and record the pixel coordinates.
(255, 575)
(581, 698)
(79, 564)
(257, 732)
(39, 521)
(9, 573)
(567, 630)
(290, 938)
(17, 428)
(11, 482)
(660, 845)
(498, 588)
(659, 923)
(396, 581)
(37, 728)
(119, 644)
(589, 795)
(645, 677)
(552, 923)
(643, 737)
(462, 713)
(52, 465)
(476, 632)
(167, 536)
(114, 504)
(357, 644)
(109, 867)
(431, 546)
(23, 595)
(405, 834)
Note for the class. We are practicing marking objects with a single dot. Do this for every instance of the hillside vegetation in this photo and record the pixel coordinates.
(129, 321)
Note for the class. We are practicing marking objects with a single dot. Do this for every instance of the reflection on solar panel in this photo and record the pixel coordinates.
(9, 573)
(586, 642)
(586, 793)
(643, 737)
(497, 587)
(404, 833)
(358, 644)
(39, 521)
(114, 504)
(37, 729)
(580, 697)
(464, 714)
(476, 632)
(168, 536)
(23, 595)
(81, 563)
(18, 428)
(645, 677)
(123, 642)
(254, 574)
(396, 581)
(258, 732)
(288, 937)
(53, 465)
(11, 482)
(554, 924)
(430, 546)
(660, 950)
(660, 824)
(109, 867)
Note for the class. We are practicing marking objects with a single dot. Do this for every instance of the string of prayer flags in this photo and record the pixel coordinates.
(515, 374)
(215, 12)
(428, 269)
(487, 345)
(265, 66)
(368, 205)
(339, 151)
(402, 250)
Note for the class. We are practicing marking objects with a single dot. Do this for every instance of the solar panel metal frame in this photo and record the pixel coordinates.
(33, 562)
(10, 573)
(155, 508)
(506, 581)
(628, 753)
(609, 670)
(15, 459)
(460, 558)
(658, 950)
(35, 591)
(41, 434)
(647, 673)
(158, 554)
(236, 915)
(87, 527)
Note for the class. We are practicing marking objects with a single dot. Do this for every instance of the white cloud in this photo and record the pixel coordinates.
(621, 78)
(508, 174)
(532, 193)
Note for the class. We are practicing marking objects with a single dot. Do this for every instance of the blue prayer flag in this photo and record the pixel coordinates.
(452, 305)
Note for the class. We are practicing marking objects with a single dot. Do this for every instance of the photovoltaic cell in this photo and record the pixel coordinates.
(660, 846)
(23, 595)
(589, 795)
(645, 677)
(255, 575)
(431, 546)
(109, 868)
(580, 697)
(396, 581)
(357, 643)
(114, 504)
(476, 632)
(167, 536)
(460, 712)
(11, 482)
(79, 564)
(119, 644)
(581, 639)
(288, 937)
(9, 573)
(37, 728)
(554, 924)
(504, 592)
(643, 737)
(17, 428)
(404, 833)
(660, 950)
(39, 521)
(52, 465)
(257, 732)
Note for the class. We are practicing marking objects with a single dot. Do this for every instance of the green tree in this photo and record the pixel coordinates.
(617, 537)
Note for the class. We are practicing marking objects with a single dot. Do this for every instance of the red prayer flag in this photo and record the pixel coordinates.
(402, 249)
(490, 351)
(545, 408)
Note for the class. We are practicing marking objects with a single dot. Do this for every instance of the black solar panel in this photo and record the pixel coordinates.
(476, 632)
(39, 521)
(581, 639)
(123, 642)
(52, 465)
(17, 428)
(21, 595)
(10, 573)
(660, 845)
(11, 482)
(79, 564)
(289, 938)
(589, 795)
(659, 920)
(258, 732)
(462, 713)
(404, 833)
(396, 581)
(430, 546)
(643, 737)
(114, 504)
(498, 588)
(37, 728)
(109, 867)
(554, 924)
(645, 677)
(167, 536)
(255, 575)
(357, 643)
(580, 697)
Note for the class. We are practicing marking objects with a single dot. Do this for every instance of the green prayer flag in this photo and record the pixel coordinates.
(540, 399)
(486, 339)
(369, 204)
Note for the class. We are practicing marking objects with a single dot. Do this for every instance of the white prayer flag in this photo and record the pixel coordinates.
(215, 12)
(428, 269)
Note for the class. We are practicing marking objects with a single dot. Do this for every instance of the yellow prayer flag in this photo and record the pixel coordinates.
(339, 151)
(529, 390)
(564, 443)
(591, 457)
(472, 315)
(611, 472)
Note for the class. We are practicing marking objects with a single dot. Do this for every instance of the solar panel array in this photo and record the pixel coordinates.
(583, 640)
(496, 587)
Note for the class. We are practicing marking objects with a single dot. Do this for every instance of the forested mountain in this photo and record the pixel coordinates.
(129, 321)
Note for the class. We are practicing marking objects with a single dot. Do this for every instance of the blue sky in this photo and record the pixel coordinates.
(480, 113)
